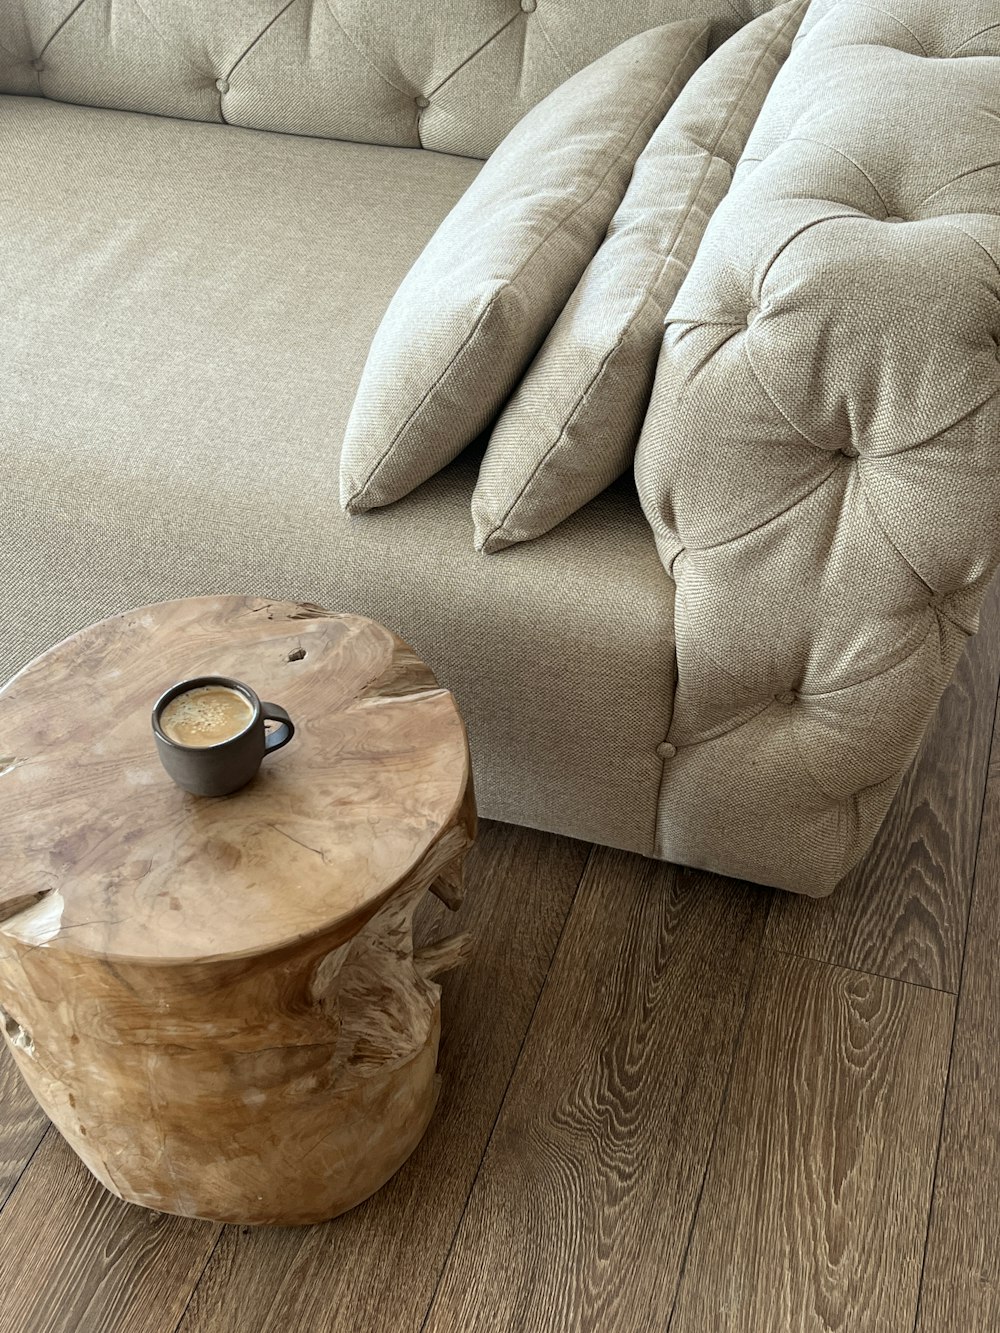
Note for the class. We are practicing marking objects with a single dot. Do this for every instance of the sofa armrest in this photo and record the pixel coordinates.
(821, 458)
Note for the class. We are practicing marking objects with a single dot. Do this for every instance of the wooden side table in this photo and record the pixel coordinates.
(217, 1001)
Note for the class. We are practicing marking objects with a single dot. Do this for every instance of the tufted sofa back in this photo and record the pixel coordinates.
(454, 77)
(821, 461)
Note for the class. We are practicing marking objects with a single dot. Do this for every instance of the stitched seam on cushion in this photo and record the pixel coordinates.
(567, 425)
(365, 56)
(284, 10)
(903, 655)
(168, 41)
(472, 55)
(59, 27)
(556, 227)
(767, 394)
(969, 236)
(880, 521)
(986, 166)
(772, 518)
(427, 393)
(727, 728)
(818, 143)
(897, 661)
(755, 296)
(795, 722)
(723, 128)
(877, 9)
(943, 430)
(990, 27)
(551, 44)
(681, 596)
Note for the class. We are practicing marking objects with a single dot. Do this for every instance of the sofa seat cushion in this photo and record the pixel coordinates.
(186, 310)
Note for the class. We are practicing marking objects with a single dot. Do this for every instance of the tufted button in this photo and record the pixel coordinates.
(422, 102)
(529, 6)
(222, 85)
(666, 750)
(895, 219)
(38, 64)
(849, 451)
(786, 697)
(752, 314)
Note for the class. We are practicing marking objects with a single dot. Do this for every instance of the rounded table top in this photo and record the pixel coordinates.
(103, 855)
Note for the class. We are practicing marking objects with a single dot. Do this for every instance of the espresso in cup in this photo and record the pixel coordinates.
(211, 735)
(206, 715)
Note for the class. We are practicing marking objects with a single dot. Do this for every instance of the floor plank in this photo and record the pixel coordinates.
(581, 1209)
(817, 1197)
(902, 913)
(961, 1288)
(73, 1257)
(22, 1124)
(375, 1268)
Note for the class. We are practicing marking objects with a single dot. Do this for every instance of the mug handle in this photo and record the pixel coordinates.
(280, 736)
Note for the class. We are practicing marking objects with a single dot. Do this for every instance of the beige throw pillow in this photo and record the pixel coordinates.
(471, 312)
(573, 424)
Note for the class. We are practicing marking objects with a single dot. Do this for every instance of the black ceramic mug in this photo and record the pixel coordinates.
(210, 733)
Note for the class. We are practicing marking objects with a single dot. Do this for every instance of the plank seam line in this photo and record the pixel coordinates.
(723, 1104)
(864, 971)
(204, 1269)
(31, 1157)
(506, 1092)
(954, 1025)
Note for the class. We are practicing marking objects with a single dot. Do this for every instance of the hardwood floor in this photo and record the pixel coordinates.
(670, 1102)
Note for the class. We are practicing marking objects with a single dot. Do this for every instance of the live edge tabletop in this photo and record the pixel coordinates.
(216, 1000)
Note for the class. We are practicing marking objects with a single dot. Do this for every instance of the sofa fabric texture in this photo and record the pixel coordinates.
(187, 306)
(572, 425)
(469, 315)
(821, 459)
(455, 78)
(185, 315)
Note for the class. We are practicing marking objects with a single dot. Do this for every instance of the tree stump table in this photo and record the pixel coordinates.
(217, 1001)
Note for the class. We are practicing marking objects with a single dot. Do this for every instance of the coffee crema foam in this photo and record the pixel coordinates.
(206, 715)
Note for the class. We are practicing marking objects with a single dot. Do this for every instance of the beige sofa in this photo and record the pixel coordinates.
(204, 212)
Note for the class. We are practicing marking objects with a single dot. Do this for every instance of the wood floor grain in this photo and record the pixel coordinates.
(22, 1124)
(961, 1287)
(903, 911)
(815, 1206)
(689, 1120)
(580, 1211)
(74, 1259)
(374, 1270)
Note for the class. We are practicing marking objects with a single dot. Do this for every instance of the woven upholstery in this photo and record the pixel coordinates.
(821, 459)
(455, 77)
(572, 424)
(469, 315)
(176, 367)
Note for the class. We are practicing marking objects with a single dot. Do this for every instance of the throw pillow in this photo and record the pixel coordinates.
(472, 311)
(573, 424)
